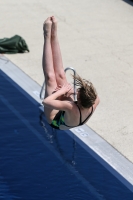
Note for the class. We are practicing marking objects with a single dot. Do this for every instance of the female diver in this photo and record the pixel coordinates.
(60, 109)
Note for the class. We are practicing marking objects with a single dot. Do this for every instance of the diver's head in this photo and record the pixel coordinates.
(86, 93)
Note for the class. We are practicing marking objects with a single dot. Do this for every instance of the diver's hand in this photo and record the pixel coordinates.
(57, 88)
(65, 90)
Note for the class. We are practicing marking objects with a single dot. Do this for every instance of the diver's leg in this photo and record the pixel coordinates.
(57, 58)
(47, 62)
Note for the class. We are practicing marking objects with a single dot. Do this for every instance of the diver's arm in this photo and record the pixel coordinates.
(52, 101)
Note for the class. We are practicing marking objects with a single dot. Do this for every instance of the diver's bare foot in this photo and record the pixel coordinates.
(54, 27)
(47, 28)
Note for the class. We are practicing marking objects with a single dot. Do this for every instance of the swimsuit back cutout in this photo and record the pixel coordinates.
(59, 119)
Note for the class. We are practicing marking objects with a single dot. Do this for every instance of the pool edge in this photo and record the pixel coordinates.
(112, 160)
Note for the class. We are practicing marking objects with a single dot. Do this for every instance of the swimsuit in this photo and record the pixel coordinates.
(59, 119)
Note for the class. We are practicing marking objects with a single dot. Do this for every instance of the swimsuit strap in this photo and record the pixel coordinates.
(81, 123)
(87, 117)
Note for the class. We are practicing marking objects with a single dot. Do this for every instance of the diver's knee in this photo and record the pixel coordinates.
(50, 77)
(61, 76)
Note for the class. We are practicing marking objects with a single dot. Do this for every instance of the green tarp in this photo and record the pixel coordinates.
(15, 44)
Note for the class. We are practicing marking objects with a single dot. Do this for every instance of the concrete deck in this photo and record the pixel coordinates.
(96, 38)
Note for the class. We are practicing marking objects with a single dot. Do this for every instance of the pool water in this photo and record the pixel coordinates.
(40, 163)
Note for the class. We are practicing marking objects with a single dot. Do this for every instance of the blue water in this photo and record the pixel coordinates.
(39, 163)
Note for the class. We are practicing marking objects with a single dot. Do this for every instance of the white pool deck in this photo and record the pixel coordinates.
(96, 38)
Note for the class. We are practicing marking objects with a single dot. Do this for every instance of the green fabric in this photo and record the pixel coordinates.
(59, 119)
(15, 44)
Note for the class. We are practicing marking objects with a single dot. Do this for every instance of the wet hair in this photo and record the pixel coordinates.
(87, 92)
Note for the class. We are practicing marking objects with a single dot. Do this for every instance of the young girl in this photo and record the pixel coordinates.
(60, 109)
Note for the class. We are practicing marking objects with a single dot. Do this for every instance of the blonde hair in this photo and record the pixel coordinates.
(87, 92)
